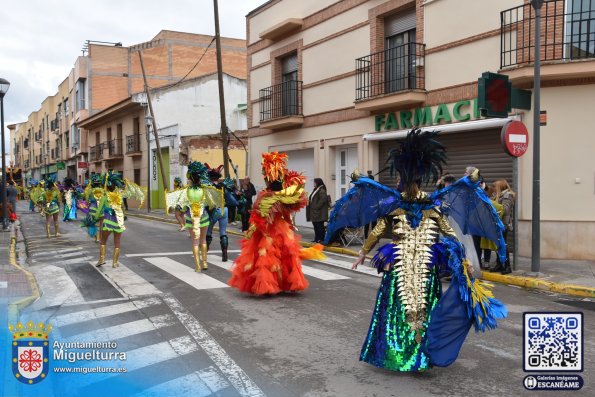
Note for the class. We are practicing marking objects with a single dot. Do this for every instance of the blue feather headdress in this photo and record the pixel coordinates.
(97, 180)
(198, 173)
(418, 159)
(114, 179)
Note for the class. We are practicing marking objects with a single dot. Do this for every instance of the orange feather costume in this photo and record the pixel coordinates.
(271, 254)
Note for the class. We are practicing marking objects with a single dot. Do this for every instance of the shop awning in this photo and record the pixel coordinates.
(444, 129)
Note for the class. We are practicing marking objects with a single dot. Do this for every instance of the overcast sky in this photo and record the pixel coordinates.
(40, 39)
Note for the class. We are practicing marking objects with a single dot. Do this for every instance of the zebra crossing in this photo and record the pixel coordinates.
(58, 262)
(168, 350)
(158, 336)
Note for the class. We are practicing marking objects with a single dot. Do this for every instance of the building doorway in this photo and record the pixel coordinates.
(345, 163)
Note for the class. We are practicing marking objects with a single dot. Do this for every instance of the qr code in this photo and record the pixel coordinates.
(553, 341)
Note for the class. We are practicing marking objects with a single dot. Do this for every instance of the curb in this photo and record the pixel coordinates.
(15, 307)
(542, 285)
(520, 281)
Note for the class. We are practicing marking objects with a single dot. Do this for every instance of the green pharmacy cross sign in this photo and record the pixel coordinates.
(496, 97)
(494, 94)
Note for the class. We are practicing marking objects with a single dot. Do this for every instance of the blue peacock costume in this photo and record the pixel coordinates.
(414, 325)
(70, 196)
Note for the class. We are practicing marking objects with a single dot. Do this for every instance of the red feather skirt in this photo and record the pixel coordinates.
(270, 260)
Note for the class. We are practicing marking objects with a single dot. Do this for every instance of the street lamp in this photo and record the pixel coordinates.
(148, 123)
(4, 85)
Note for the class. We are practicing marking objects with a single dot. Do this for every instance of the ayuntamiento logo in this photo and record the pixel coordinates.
(30, 351)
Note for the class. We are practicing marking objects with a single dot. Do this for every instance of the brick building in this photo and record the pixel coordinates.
(336, 84)
(53, 136)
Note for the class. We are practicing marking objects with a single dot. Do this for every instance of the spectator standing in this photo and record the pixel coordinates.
(505, 197)
(248, 191)
(11, 195)
(487, 246)
(317, 209)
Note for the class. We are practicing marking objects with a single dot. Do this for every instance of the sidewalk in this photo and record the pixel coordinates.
(570, 277)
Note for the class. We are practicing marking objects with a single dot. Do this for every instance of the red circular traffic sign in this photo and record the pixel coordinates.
(515, 138)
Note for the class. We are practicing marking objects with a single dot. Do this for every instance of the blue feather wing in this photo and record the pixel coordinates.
(470, 207)
(365, 202)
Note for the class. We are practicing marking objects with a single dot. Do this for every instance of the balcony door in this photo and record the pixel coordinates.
(289, 88)
(399, 54)
(580, 29)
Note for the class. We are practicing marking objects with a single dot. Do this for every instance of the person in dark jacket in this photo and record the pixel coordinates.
(317, 209)
(11, 195)
(248, 191)
(505, 196)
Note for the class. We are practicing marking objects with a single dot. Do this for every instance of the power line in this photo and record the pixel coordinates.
(195, 65)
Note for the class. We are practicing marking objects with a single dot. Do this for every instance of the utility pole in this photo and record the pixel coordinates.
(224, 132)
(163, 176)
(535, 216)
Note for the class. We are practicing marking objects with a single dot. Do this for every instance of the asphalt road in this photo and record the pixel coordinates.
(192, 334)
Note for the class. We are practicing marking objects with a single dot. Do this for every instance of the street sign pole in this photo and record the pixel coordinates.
(535, 217)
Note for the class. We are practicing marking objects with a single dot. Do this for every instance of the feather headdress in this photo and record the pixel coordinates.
(274, 166)
(68, 182)
(419, 158)
(48, 183)
(197, 173)
(113, 179)
(96, 180)
(294, 178)
(214, 173)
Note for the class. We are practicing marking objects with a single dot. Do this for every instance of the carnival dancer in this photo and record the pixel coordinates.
(220, 215)
(92, 195)
(413, 325)
(197, 197)
(34, 187)
(271, 255)
(69, 199)
(110, 208)
(179, 211)
(48, 200)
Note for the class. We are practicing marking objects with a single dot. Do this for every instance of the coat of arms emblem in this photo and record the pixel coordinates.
(30, 352)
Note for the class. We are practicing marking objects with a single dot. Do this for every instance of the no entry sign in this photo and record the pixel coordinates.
(515, 138)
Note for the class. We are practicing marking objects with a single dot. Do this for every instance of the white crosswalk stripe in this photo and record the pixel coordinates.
(346, 264)
(56, 252)
(58, 261)
(69, 254)
(57, 286)
(143, 357)
(105, 311)
(308, 270)
(126, 281)
(224, 374)
(124, 330)
(186, 274)
(172, 253)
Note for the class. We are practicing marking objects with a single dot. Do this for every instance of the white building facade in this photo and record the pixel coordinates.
(336, 84)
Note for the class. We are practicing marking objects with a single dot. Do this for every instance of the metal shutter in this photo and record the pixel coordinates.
(481, 149)
(399, 23)
(289, 64)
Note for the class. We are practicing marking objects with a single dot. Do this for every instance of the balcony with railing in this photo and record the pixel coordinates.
(567, 41)
(389, 78)
(133, 145)
(115, 148)
(281, 105)
(96, 152)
